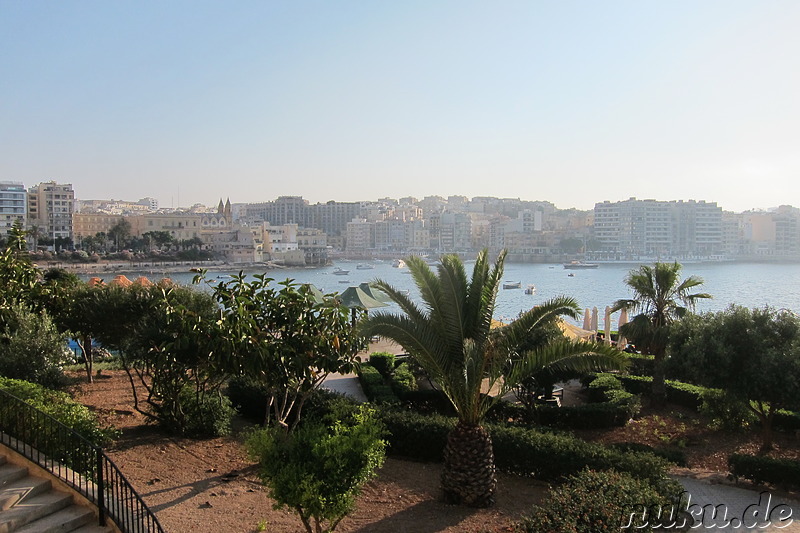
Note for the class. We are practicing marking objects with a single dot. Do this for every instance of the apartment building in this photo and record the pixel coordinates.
(50, 208)
(13, 205)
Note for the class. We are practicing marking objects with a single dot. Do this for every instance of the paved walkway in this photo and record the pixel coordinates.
(346, 384)
(737, 509)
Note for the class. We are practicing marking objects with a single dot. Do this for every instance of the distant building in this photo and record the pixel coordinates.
(13, 205)
(50, 208)
(656, 229)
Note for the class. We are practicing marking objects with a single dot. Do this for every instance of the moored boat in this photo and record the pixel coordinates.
(530, 289)
(338, 271)
(577, 265)
(512, 284)
(364, 266)
(398, 263)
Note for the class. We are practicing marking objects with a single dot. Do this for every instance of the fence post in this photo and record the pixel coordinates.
(101, 489)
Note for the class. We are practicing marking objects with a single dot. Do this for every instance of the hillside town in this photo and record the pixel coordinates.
(292, 231)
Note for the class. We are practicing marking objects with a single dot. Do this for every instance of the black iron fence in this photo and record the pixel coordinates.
(75, 461)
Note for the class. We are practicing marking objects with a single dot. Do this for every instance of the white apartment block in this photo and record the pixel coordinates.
(13, 205)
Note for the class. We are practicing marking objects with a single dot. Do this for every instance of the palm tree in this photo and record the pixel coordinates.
(451, 338)
(660, 298)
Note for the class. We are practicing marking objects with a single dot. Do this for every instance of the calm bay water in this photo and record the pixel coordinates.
(747, 284)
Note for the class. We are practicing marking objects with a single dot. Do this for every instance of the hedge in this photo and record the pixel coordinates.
(403, 381)
(641, 364)
(518, 450)
(684, 394)
(376, 390)
(784, 472)
(383, 362)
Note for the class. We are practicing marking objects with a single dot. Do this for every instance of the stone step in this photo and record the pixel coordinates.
(12, 492)
(92, 529)
(10, 472)
(68, 519)
(33, 508)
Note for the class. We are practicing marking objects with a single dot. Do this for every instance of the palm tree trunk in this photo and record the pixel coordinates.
(469, 471)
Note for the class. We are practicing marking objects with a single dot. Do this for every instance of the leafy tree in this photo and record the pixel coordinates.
(318, 469)
(754, 354)
(660, 298)
(572, 245)
(452, 340)
(120, 233)
(16, 237)
(283, 339)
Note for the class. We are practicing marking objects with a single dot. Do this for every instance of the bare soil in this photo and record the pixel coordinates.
(210, 485)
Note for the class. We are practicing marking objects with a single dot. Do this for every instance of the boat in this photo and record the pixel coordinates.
(570, 275)
(398, 263)
(512, 284)
(530, 289)
(577, 265)
(340, 271)
(364, 266)
(344, 281)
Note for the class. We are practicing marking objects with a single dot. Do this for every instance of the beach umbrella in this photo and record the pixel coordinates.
(355, 298)
(143, 281)
(607, 325)
(374, 292)
(587, 319)
(593, 323)
(319, 296)
(121, 280)
(623, 319)
(95, 282)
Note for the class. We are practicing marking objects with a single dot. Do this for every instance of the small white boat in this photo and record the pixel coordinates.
(512, 284)
(398, 263)
(364, 266)
(340, 271)
(530, 289)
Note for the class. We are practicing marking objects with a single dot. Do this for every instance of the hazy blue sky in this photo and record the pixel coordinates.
(571, 102)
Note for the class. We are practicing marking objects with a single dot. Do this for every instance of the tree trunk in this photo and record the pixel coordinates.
(658, 399)
(469, 471)
(86, 348)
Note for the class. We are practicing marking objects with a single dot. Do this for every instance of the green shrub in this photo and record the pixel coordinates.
(783, 472)
(591, 502)
(786, 420)
(208, 415)
(403, 381)
(590, 416)
(672, 455)
(414, 435)
(31, 348)
(48, 438)
(383, 362)
(318, 470)
(683, 394)
(641, 364)
(601, 384)
(374, 387)
(725, 411)
(518, 450)
(249, 397)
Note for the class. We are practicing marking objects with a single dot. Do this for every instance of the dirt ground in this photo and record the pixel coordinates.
(210, 485)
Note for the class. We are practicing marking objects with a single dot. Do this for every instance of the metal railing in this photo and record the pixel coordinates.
(77, 462)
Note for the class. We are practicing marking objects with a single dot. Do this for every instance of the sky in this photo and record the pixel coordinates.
(572, 102)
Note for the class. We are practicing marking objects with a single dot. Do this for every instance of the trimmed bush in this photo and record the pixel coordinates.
(683, 394)
(403, 381)
(383, 362)
(590, 502)
(518, 450)
(589, 416)
(640, 364)
(784, 472)
(601, 384)
(374, 387)
(786, 420)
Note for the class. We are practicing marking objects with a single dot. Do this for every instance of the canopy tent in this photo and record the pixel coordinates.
(355, 298)
(572, 331)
